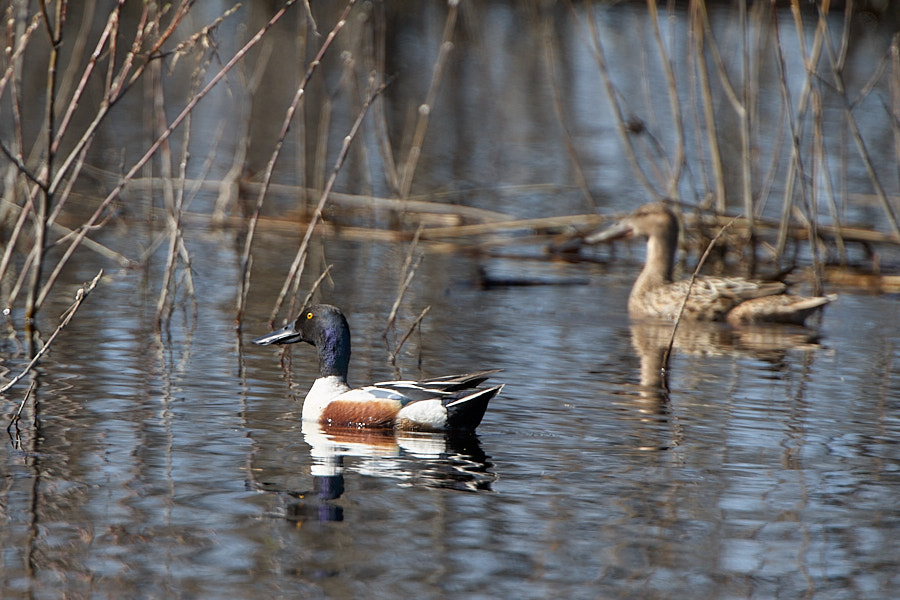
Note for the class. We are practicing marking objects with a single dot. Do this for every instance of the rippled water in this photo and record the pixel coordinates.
(175, 465)
(768, 471)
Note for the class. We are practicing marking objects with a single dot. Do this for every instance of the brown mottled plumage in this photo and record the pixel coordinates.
(732, 299)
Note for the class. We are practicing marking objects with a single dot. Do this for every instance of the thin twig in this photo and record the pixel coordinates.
(709, 247)
(409, 332)
(244, 279)
(111, 26)
(407, 273)
(14, 422)
(810, 58)
(796, 171)
(23, 168)
(400, 293)
(176, 202)
(169, 194)
(825, 177)
(613, 94)
(80, 297)
(296, 270)
(315, 286)
(860, 143)
(14, 59)
(699, 31)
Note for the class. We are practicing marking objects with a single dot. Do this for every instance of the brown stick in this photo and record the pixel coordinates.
(80, 296)
(699, 33)
(315, 286)
(192, 103)
(296, 270)
(396, 351)
(14, 422)
(407, 274)
(270, 168)
(665, 360)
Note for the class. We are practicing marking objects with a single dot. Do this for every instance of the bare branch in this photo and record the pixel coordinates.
(80, 296)
(700, 263)
(251, 228)
(296, 269)
(117, 190)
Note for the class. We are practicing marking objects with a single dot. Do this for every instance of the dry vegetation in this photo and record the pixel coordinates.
(88, 70)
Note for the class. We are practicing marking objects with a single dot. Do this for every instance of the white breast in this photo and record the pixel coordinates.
(323, 391)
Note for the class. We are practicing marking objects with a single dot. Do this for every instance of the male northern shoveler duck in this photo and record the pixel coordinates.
(733, 299)
(444, 403)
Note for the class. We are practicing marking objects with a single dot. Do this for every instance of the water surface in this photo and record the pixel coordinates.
(173, 463)
(766, 472)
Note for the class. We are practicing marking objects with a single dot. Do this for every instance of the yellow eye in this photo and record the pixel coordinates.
(309, 315)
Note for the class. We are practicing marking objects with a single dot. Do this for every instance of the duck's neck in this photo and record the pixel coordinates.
(658, 266)
(333, 346)
(334, 353)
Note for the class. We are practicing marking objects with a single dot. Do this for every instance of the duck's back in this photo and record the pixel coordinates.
(710, 299)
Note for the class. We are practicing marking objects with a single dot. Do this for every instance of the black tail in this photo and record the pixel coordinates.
(466, 412)
(454, 383)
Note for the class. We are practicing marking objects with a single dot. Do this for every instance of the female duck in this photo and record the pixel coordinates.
(733, 299)
(444, 403)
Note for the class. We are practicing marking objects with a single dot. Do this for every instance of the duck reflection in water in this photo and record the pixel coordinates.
(651, 342)
(419, 432)
(654, 344)
(445, 460)
(715, 315)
